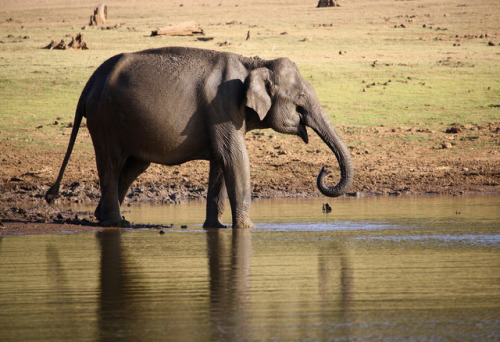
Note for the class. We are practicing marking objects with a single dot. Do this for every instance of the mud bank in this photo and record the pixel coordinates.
(388, 161)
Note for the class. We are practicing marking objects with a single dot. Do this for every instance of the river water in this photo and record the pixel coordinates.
(391, 268)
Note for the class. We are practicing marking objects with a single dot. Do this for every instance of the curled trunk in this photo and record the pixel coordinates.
(324, 129)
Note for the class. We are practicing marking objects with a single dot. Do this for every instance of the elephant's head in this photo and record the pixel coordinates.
(287, 103)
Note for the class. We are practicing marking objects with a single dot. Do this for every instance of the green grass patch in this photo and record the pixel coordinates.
(365, 71)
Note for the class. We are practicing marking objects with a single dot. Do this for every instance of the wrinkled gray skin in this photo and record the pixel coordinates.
(173, 105)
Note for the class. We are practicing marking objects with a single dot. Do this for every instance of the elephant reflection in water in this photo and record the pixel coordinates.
(112, 300)
(229, 256)
(112, 315)
(337, 273)
(229, 270)
(230, 286)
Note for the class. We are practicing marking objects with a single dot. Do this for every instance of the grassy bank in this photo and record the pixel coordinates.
(367, 69)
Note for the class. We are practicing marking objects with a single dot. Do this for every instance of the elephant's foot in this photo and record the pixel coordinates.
(213, 224)
(122, 223)
(113, 219)
(243, 224)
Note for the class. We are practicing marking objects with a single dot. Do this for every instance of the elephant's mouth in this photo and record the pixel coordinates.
(302, 133)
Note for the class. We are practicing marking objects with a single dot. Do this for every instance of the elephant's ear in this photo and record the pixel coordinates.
(258, 97)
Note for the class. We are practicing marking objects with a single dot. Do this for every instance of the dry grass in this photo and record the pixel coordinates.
(419, 77)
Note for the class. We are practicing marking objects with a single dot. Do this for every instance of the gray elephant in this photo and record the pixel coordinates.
(174, 104)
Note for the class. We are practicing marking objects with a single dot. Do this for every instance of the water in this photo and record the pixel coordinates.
(420, 268)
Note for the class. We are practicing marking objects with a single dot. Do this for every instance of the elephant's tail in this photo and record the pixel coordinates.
(53, 192)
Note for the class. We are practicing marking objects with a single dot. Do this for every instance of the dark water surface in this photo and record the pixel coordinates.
(419, 268)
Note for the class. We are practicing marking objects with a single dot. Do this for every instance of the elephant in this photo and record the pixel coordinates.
(176, 104)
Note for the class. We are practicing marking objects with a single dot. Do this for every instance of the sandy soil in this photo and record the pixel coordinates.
(388, 161)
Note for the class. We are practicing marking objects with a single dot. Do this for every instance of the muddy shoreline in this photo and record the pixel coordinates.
(24, 218)
(388, 161)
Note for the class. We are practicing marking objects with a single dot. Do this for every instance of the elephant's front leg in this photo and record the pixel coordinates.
(237, 177)
(216, 196)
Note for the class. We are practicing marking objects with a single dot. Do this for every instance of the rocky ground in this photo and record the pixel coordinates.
(454, 159)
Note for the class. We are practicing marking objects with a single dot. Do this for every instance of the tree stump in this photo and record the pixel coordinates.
(76, 43)
(100, 16)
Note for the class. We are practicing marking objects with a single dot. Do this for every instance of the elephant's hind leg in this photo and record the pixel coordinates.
(109, 167)
(131, 170)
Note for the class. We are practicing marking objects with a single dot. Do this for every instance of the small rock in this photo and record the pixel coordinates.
(454, 130)
(447, 145)
(224, 43)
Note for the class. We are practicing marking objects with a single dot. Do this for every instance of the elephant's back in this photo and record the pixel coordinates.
(147, 98)
(154, 74)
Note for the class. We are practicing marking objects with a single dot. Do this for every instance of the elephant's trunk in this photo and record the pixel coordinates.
(322, 126)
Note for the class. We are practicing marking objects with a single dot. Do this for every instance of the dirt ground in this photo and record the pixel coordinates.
(453, 160)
